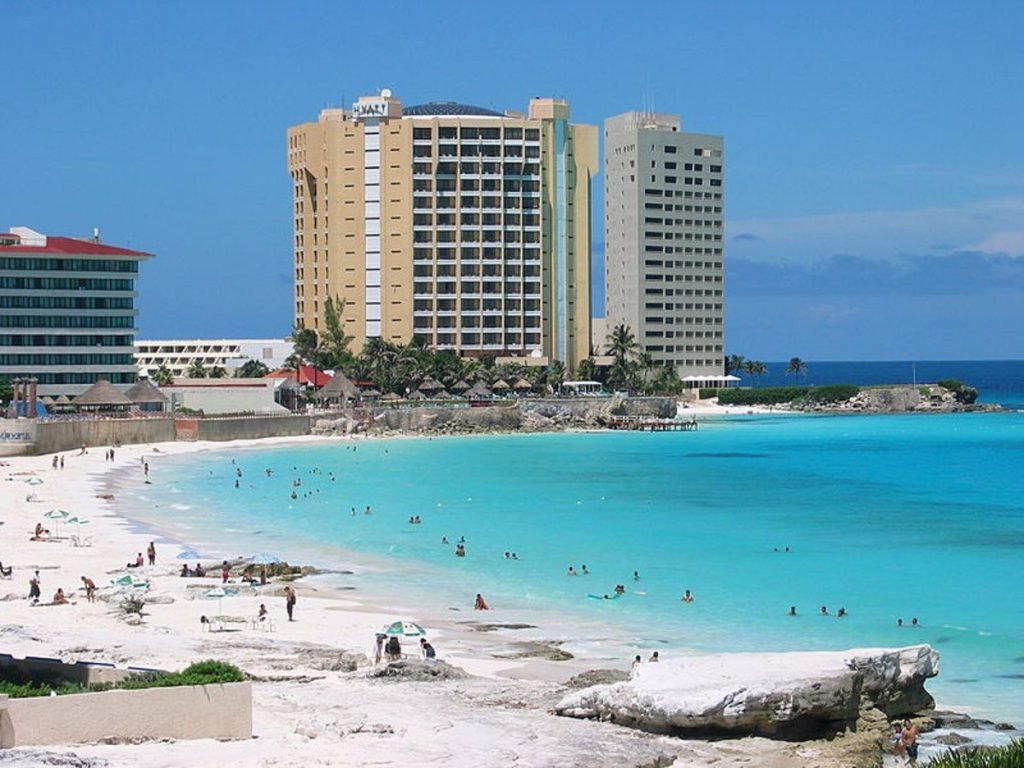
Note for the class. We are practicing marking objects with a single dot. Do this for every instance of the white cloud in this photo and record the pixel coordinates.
(990, 225)
(1010, 242)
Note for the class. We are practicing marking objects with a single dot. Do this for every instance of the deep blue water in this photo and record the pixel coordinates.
(998, 381)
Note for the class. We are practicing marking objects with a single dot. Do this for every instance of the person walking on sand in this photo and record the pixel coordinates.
(225, 572)
(90, 589)
(35, 588)
(289, 601)
(151, 553)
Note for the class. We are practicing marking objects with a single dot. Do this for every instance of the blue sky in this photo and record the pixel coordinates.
(875, 172)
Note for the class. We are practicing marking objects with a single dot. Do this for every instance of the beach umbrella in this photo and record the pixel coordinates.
(34, 481)
(403, 628)
(500, 384)
(460, 386)
(57, 515)
(220, 594)
(77, 521)
(264, 558)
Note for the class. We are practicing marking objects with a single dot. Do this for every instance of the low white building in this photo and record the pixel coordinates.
(220, 396)
(229, 354)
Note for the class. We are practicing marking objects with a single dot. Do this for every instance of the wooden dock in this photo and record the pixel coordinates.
(647, 424)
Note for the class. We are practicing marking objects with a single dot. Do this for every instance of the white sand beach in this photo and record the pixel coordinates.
(307, 711)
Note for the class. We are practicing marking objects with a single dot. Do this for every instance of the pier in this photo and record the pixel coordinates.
(647, 424)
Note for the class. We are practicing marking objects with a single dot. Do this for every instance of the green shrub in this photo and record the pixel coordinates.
(833, 393)
(200, 673)
(705, 393)
(763, 396)
(1010, 756)
(953, 385)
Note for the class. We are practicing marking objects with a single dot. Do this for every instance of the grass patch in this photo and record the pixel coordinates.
(1010, 756)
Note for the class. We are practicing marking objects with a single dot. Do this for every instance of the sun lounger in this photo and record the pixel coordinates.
(266, 624)
(221, 623)
(81, 541)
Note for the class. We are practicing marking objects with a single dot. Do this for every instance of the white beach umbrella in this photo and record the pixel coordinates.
(220, 594)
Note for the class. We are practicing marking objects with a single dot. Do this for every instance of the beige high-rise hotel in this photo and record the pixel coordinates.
(664, 254)
(464, 226)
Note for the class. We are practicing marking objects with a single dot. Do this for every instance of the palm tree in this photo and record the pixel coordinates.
(555, 375)
(162, 376)
(587, 370)
(736, 364)
(252, 369)
(797, 367)
(621, 345)
(197, 370)
(218, 372)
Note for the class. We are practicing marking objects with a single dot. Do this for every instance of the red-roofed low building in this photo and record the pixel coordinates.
(67, 311)
(307, 376)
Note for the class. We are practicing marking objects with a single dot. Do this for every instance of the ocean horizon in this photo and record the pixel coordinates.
(887, 516)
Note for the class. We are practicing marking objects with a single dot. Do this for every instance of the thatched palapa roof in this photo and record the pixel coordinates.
(143, 392)
(101, 393)
(479, 391)
(339, 388)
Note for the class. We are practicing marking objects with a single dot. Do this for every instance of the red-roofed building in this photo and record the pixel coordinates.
(67, 311)
(308, 376)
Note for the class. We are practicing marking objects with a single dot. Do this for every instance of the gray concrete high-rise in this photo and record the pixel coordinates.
(664, 254)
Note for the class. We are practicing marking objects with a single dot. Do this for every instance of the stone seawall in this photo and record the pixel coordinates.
(526, 415)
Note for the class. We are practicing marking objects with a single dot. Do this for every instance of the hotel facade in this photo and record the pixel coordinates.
(664, 253)
(464, 226)
(67, 311)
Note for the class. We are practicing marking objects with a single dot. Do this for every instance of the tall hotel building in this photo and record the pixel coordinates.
(67, 311)
(664, 273)
(467, 227)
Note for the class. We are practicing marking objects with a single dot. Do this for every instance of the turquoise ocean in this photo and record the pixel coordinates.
(888, 517)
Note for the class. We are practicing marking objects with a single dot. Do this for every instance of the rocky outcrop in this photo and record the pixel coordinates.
(523, 415)
(795, 696)
(921, 398)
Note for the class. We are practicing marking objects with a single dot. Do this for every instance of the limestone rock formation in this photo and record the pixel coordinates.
(779, 695)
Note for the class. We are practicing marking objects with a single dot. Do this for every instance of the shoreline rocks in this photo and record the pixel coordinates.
(788, 696)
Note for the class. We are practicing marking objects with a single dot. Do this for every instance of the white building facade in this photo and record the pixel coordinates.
(230, 354)
(664, 245)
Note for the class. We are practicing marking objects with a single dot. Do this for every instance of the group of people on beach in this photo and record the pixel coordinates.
(35, 591)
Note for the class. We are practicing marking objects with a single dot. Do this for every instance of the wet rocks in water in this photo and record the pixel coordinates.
(952, 739)
(418, 671)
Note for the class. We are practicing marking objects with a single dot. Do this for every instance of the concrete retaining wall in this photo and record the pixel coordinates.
(252, 427)
(186, 712)
(55, 436)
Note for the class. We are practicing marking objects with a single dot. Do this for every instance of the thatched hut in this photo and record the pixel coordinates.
(102, 396)
(147, 397)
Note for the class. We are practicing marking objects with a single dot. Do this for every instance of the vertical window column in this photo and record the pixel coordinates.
(371, 221)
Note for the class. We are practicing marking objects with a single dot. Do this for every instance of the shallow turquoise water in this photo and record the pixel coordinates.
(889, 516)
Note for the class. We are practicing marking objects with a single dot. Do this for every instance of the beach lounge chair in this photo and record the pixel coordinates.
(81, 541)
(5, 573)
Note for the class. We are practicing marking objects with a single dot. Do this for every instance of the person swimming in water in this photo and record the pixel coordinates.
(687, 597)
